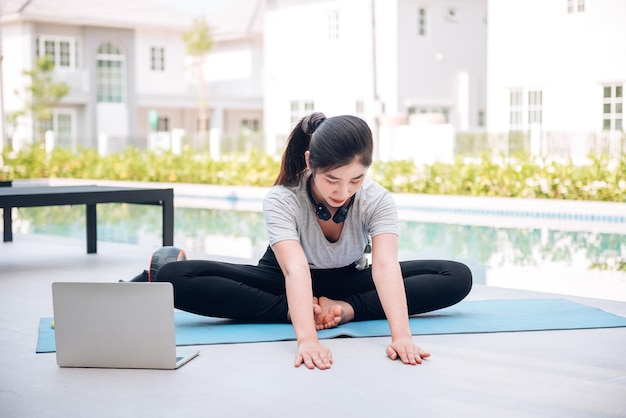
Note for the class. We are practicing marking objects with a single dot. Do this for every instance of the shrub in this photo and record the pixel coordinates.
(604, 179)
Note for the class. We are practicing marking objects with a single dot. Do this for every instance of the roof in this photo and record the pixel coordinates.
(130, 14)
(233, 20)
(242, 18)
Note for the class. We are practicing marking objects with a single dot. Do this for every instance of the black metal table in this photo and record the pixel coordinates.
(90, 196)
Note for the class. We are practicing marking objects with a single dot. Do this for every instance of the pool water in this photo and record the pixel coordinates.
(582, 263)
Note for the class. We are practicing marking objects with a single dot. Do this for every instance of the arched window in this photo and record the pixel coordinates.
(110, 74)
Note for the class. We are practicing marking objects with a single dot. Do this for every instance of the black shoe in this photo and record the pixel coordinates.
(141, 277)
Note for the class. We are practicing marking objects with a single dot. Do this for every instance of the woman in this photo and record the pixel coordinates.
(323, 216)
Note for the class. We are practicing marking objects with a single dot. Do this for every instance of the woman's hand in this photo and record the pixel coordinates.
(313, 354)
(407, 351)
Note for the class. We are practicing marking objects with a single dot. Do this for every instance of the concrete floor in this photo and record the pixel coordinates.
(580, 373)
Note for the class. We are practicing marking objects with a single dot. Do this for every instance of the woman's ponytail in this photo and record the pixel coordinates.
(293, 163)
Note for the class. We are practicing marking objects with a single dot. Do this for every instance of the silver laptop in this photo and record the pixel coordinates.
(116, 325)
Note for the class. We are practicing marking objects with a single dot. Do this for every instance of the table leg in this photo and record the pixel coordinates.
(92, 230)
(8, 225)
(168, 222)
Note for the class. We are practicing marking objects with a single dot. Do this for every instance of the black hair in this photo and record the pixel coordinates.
(331, 142)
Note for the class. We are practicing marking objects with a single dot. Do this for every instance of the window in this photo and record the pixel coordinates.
(333, 24)
(525, 109)
(516, 110)
(443, 111)
(110, 63)
(163, 124)
(64, 129)
(535, 107)
(359, 107)
(481, 118)
(49, 49)
(299, 109)
(61, 124)
(157, 58)
(207, 124)
(63, 51)
(64, 54)
(452, 15)
(575, 6)
(613, 107)
(249, 125)
(422, 16)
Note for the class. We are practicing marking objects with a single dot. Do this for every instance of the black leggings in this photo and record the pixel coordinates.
(257, 293)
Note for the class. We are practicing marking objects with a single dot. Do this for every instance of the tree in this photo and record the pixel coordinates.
(199, 41)
(42, 95)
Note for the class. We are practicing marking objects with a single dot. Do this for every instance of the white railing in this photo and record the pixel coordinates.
(427, 147)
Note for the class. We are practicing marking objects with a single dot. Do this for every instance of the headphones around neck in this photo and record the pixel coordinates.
(322, 211)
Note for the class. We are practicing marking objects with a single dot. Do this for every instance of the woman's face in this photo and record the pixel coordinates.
(335, 187)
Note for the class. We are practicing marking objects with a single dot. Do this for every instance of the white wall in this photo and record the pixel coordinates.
(17, 51)
(170, 81)
(387, 60)
(234, 71)
(430, 68)
(422, 144)
(112, 120)
(303, 64)
(536, 44)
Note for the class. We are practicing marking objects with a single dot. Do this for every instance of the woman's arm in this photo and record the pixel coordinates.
(389, 284)
(295, 268)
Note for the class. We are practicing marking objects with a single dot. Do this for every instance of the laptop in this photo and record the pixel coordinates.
(116, 325)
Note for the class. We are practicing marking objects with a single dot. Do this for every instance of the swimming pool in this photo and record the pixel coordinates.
(575, 248)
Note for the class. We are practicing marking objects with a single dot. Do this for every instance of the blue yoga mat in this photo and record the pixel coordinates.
(463, 318)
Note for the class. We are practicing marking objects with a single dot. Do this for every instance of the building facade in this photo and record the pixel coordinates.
(392, 62)
(130, 79)
(556, 73)
(541, 76)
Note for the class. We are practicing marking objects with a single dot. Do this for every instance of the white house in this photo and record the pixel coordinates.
(127, 68)
(234, 75)
(118, 65)
(396, 63)
(556, 74)
(549, 75)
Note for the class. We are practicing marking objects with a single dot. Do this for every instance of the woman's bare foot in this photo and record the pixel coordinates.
(317, 313)
(333, 313)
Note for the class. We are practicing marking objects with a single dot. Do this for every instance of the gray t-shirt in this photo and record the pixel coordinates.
(290, 215)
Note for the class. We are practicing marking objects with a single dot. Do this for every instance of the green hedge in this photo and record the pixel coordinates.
(603, 179)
